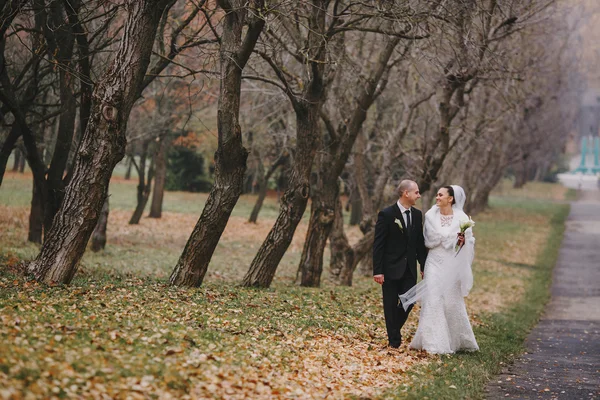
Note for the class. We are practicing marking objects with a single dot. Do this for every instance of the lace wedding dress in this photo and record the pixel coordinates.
(444, 325)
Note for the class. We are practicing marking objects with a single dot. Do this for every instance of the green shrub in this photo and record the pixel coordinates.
(186, 172)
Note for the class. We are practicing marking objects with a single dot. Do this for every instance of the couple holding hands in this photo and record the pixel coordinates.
(444, 247)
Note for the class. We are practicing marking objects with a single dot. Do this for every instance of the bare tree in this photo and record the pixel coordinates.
(56, 29)
(230, 158)
(102, 145)
(309, 48)
(189, 32)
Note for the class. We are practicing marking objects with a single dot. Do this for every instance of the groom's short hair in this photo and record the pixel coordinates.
(405, 185)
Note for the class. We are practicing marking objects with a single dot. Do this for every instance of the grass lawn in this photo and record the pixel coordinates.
(120, 332)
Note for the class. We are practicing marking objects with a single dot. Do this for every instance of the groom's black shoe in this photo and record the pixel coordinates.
(394, 345)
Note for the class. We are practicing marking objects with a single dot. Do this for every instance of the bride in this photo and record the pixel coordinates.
(444, 325)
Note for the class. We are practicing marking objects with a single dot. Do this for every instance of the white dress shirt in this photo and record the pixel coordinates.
(403, 211)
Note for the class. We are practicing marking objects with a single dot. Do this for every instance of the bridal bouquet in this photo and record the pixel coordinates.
(464, 225)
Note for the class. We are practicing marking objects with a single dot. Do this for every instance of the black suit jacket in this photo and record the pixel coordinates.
(395, 249)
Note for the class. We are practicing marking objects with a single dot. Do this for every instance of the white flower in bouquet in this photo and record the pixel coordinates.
(464, 225)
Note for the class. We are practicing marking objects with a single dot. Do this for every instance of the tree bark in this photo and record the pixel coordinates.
(22, 162)
(319, 227)
(366, 267)
(307, 107)
(520, 175)
(7, 147)
(129, 163)
(20, 128)
(326, 191)
(64, 140)
(85, 79)
(36, 216)
(263, 184)
(231, 156)
(160, 178)
(99, 234)
(355, 208)
(17, 160)
(72, 8)
(436, 154)
(102, 146)
(293, 202)
(144, 184)
(341, 252)
(349, 256)
(143, 196)
(345, 258)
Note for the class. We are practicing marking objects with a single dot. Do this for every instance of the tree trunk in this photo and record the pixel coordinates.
(64, 140)
(307, 107)
(293, 202)
(260, 184)
(366, 266)
(341, 252)
(7, 148)
(319, 228)
(440, 144)
(263, 183)
(20, 127)
(362, 249)
(144, 189)
(326, 190)
(36, 216)
(8, 97)
(160, 178)
(479, 202)
(540, 172)
(345, 258)
(229, 176)
(262, 194)
(22, 163)
(99, 234)
(355, 208)
(85, 82)
(231, 156)
(129, 166)
(17, 160)
(144, 185)
(520, 175)
(102, 146)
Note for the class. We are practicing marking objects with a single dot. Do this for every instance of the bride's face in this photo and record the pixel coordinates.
(443, 199)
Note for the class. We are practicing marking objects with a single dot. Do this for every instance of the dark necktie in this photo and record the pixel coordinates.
(407, 219)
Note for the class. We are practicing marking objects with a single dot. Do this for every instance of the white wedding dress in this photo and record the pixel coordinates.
(444, 325)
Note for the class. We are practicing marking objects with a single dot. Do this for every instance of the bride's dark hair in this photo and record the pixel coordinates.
(450, 190)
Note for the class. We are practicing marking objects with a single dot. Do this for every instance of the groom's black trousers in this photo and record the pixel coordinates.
(395, 316)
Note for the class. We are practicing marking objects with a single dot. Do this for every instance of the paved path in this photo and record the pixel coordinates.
(563, 351)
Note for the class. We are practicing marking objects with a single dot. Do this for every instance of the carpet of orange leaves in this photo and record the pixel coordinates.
(313, 362)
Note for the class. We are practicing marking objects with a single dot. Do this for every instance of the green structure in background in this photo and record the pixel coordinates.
(582, 165)
(589, 129)
(582, 168)
(596, 167)
(594, 148)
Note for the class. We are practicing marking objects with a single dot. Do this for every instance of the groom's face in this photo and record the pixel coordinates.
(413, 194)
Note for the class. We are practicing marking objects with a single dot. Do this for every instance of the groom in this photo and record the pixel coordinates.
(398, 244)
